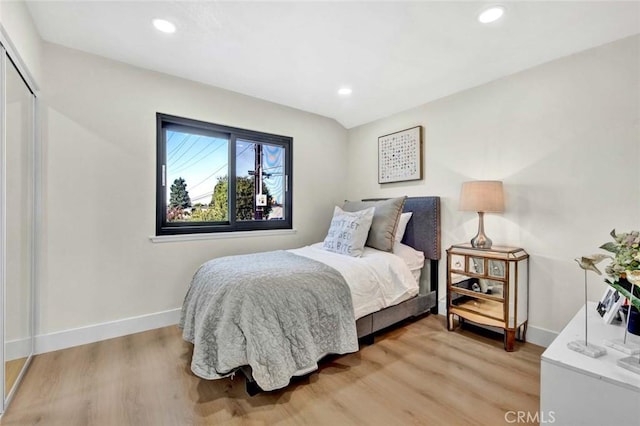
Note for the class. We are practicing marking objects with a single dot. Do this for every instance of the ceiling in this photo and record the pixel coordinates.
(394, 55)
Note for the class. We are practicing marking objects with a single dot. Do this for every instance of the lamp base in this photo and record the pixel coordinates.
(481, 241)
(593, 351)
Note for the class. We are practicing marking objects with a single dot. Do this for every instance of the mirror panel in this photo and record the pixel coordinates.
(19, 136)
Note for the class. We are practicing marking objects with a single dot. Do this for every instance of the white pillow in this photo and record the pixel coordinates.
(412, 257)
(402, 225)
(348, 231)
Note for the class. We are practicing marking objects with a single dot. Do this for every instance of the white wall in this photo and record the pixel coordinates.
(565, 139)
(99, 139)
(17, 23)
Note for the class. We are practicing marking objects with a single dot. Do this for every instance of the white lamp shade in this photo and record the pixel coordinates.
(482, 196)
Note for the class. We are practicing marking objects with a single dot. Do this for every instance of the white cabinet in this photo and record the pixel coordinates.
(578, 390)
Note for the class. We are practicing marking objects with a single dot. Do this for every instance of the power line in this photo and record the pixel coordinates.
(177, 148)
(184, 152)
(192, 157)
(186, 164)
(171, 137)
(214, 173)
(208, 177)
(203, 196)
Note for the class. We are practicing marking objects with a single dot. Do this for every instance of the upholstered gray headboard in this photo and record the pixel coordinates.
(423, 230)
(423, 234)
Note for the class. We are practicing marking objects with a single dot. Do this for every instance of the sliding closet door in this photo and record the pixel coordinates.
(19, 225)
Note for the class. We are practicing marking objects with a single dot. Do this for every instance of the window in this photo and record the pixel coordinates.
(214, 178)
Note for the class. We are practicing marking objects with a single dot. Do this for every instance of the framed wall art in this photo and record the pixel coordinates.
(400, 156)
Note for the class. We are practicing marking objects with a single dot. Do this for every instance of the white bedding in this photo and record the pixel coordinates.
(377, 279)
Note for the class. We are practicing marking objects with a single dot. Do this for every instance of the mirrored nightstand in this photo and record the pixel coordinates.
(489, 287)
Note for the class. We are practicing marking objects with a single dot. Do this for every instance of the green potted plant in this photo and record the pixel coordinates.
(626, 250)
(624, 272)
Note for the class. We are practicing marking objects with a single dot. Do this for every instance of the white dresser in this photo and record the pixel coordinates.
(578, 390)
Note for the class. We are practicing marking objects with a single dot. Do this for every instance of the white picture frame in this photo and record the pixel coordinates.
(609, 304)
(400, 156)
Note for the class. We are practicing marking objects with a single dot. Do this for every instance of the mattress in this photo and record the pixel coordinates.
(377, 279)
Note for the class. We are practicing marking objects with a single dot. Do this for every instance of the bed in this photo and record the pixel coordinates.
(302, 304)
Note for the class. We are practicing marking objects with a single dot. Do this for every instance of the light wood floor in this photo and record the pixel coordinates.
(12, 370)
(417, 374)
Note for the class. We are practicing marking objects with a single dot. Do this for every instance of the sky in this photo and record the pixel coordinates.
(201, 160)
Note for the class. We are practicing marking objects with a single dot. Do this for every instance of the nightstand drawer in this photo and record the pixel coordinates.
(480, 287)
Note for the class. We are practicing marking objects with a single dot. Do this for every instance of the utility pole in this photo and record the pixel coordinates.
(257, 176)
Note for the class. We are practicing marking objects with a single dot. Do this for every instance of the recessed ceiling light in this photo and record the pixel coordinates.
(344, 91)
(164, 26)
(491, 14)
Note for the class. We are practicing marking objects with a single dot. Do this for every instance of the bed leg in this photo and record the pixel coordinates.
(252, 387)
(433, 279)
(368, 339)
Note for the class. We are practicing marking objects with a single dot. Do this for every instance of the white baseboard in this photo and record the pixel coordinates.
(540, 336)
(107, 330)
(19, 348)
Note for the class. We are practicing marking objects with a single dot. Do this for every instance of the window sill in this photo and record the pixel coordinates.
(220, 235)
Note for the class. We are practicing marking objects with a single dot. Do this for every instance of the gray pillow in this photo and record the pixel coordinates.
(385, 220)
(348, 231)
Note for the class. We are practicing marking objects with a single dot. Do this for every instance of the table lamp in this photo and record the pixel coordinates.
(482, 196)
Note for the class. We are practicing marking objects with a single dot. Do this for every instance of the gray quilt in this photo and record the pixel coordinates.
(276, 312)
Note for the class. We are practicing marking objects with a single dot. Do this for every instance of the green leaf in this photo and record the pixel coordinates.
(635, 301)
(612, 247)
(613, 233)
